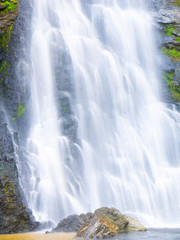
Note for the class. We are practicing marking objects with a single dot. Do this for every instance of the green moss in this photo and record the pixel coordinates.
(172, 53)
(176, 3)
(3, 70)
(173, 88)
(11, 6)
(168, 30)
(178, 39)
(4, 40)
(21, 110)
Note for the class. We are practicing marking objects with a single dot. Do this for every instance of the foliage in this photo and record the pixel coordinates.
(173, 88)
(3, 70)
(11, 6)
(178, 39)
(176, 3)
(169, 30)
(4, 40)
(172, 53)
(20, 112)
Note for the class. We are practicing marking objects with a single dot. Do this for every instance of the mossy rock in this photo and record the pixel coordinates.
(107, 223)
(8, 14)
(14, 217)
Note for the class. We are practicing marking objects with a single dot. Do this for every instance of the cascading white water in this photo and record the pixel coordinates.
(130, 140)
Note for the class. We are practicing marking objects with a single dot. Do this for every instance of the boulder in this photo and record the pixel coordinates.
(103, 223)
(134, 225)
(70, 224)
(107, 223)
(73, 223)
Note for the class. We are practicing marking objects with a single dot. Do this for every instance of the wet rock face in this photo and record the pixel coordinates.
(167, 16)
(69, 224)
(14, 217)
(103, 223)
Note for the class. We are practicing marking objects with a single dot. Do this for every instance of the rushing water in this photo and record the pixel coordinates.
(129, 140)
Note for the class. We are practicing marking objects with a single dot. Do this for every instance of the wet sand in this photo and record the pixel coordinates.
(38, 236)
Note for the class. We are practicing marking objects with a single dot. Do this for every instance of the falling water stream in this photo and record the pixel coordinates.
(129, 140)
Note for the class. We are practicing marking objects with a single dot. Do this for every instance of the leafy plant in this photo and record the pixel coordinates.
(173, 88)
(11, 5)
(177, 3)
(172, 53)
(21, 110)
(169, 30)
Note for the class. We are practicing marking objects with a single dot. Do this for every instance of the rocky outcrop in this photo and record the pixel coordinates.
(107, 223)
(8, 14)
(167, 16)
(103, 223)
(73, 223)
(14, 216)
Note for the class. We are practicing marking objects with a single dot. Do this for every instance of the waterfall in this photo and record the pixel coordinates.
(127, 144)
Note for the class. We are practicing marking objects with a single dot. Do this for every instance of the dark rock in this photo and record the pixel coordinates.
(2, 7)
(14, 216)
(69, 224)
(73, 223)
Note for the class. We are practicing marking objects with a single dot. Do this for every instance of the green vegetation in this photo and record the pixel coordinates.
(3, 70)
(168, 30)
(20, 112)
(11, 6)
(176, 3)
(178, 39)
(172, 53)
(173, 88)
(4, 40)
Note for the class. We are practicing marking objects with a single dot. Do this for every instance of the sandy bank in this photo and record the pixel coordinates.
(38, 236)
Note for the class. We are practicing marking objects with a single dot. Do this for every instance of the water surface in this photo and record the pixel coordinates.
(152, 234)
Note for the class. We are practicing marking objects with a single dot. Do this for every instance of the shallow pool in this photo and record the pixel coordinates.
(151, 234)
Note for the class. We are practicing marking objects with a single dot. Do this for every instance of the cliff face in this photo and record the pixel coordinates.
(14, 216)
(167, 16)
(14, 96)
